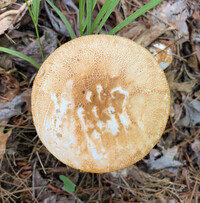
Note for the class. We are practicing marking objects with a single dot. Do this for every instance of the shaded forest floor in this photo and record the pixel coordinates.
(170, 173)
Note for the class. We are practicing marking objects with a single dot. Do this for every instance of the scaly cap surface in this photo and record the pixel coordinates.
(100, 103)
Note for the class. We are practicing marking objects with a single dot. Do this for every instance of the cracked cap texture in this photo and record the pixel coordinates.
(100, 103)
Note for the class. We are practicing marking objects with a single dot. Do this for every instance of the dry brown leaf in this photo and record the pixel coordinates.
(186, 87)
(3, 138)
(196, 18)
(197, 48)
(8, 18)
(5, 23)
(9, 86)
(151, 34)
(5, 3)
(133, 30)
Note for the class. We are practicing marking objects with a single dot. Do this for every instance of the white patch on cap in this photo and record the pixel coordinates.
(81, 117)
(99, 89)
(88, 96)
(112, 124)
(58, 122)
(94, 110)
(62, 109)
(124, 119)
(54, 99)
(100, 124)
(96, 155)
(96, 134)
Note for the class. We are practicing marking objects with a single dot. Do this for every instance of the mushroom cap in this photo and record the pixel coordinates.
(100, 103)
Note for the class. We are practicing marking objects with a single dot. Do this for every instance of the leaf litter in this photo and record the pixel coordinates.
(169, 173)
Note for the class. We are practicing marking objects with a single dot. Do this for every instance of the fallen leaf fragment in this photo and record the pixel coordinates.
(3, 138)
(162, 53)
(5, 23)
(14, 107)
(192, 116)
(165, 161)
(5, 3)
(8, 18)
(196, 148)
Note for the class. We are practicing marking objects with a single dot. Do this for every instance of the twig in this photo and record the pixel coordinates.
(195, 185)
(41, 162)
(33, 178)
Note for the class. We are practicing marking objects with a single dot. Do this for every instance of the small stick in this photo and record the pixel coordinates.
(195, 185)
(41, 163)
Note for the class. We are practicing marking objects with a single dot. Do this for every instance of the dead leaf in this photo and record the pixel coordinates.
(125, 8)
(162, 52)
(197, 49)
(175, 13)
(186, 87)
(196, 148)
(133, 30)
(49, 45)
(5, 23)
(14, 107)
(9, 86)
(165, 161)
(10, 17)
(131, 171)
(5, 3)
(135, 174)
(3, 138)
(26, 97)
(151, 34)
(196, 18)
(192, 116)
(56, 22)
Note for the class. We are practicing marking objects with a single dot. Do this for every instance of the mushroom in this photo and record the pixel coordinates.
(100, 103)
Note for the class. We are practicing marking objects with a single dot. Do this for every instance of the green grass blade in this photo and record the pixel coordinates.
(135, 15)
(20, 55)
(94, 2)
(89, 16)
(34, 15)
(93, 6)
(101, 14)
(110, 10)
(36, 9)
(30, 11)
(65, 21)
(81, 15)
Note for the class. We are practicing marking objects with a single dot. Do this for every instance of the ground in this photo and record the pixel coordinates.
(170, 173)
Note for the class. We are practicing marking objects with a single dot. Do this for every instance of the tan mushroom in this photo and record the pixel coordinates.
(100, 103)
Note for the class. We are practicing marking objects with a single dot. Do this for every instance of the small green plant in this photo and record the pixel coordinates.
(34, 12)
(68, 184)
(84, 21)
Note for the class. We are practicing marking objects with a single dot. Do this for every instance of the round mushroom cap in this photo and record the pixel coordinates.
(100, 103)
